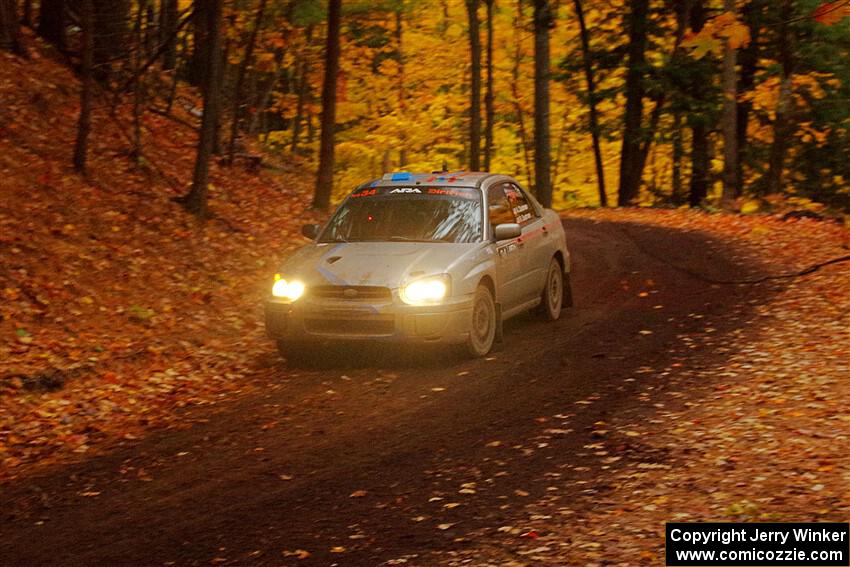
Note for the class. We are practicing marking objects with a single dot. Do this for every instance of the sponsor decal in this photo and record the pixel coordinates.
(453, 192)
(506, 249)
(459, 192)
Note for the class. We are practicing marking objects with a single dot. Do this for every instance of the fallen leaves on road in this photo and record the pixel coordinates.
(748, 425)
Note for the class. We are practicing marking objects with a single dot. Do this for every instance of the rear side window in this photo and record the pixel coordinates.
(521, 208)
(499, 207)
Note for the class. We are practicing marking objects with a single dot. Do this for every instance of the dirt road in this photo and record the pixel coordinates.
(371, 455)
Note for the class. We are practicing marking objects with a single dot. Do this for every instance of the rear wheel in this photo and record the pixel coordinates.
(482, 332)
(553, 292)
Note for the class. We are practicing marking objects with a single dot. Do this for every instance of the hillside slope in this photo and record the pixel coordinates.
(109, 289)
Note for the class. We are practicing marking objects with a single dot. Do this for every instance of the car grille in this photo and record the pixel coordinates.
(354, 327)
(352, 292)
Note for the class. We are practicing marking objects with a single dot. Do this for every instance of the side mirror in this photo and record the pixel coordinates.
(311, 231)
(507, 231)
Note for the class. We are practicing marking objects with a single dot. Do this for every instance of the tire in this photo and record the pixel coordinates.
(292, 352)
(482, 329)
(552, 297)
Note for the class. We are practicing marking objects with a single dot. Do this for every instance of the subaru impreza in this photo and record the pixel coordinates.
(426, 258)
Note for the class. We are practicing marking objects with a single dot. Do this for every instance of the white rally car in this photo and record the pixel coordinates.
(440, 257)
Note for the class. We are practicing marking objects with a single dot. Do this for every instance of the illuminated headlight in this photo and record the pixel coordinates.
(426, 291)
(287, 289)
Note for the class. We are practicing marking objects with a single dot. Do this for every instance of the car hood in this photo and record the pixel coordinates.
(386, 264)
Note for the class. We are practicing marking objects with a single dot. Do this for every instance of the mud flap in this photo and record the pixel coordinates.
(499, 326)
(568, 291)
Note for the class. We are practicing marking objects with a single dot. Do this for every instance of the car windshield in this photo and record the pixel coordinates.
(407, 214)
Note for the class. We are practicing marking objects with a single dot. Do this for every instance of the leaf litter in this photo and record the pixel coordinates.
(116, 309)
(759, 436)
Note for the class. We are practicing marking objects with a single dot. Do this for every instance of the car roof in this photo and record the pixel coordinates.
(471, 179)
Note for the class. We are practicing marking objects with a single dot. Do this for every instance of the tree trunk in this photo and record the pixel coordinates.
(196, 200)
(26, 15)
(168, 15)
(236, 109)
(700, 165)
(475, 86)
(222, 89)
(520, 114)
(138, 95)
(51, 22)
(630, 157)
(699, 123)
(729, 120)
(151, 31)
(782, 129)
(298, 119)
(10, 28)
(87, 22)
(488, 96)
(783, 125)
(311, 127)
(172, 93)
(303, 91)
(746, 82)
(198, 64)
(677, 195)
(112, 24)
(591, 102)
(264, 99)
(324, 180)
(543, 20)
(402, 91)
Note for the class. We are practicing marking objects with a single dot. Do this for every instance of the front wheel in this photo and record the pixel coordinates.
(482, 332)
(291, 351)
(552, 299)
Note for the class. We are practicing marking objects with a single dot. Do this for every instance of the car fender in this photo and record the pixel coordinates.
(482, 264)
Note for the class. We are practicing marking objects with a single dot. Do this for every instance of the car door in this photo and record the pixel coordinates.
(509, 260)
(534, 244)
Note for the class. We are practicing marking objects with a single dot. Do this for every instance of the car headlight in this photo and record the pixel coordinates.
(287, 289)
(426, 291)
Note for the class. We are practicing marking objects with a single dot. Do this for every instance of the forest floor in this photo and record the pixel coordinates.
(751, 425)
(685, 386)
(117, 307)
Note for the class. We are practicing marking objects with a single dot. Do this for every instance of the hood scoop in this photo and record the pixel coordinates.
(333, 259)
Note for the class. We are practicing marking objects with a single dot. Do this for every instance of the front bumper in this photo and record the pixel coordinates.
(316, 320)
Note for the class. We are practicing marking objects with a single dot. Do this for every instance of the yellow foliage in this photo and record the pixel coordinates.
(750, 207)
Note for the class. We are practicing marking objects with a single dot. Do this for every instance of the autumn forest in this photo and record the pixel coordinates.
(589, 103)
(676, 349)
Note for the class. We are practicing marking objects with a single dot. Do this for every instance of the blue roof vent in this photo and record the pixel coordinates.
(399, 176)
